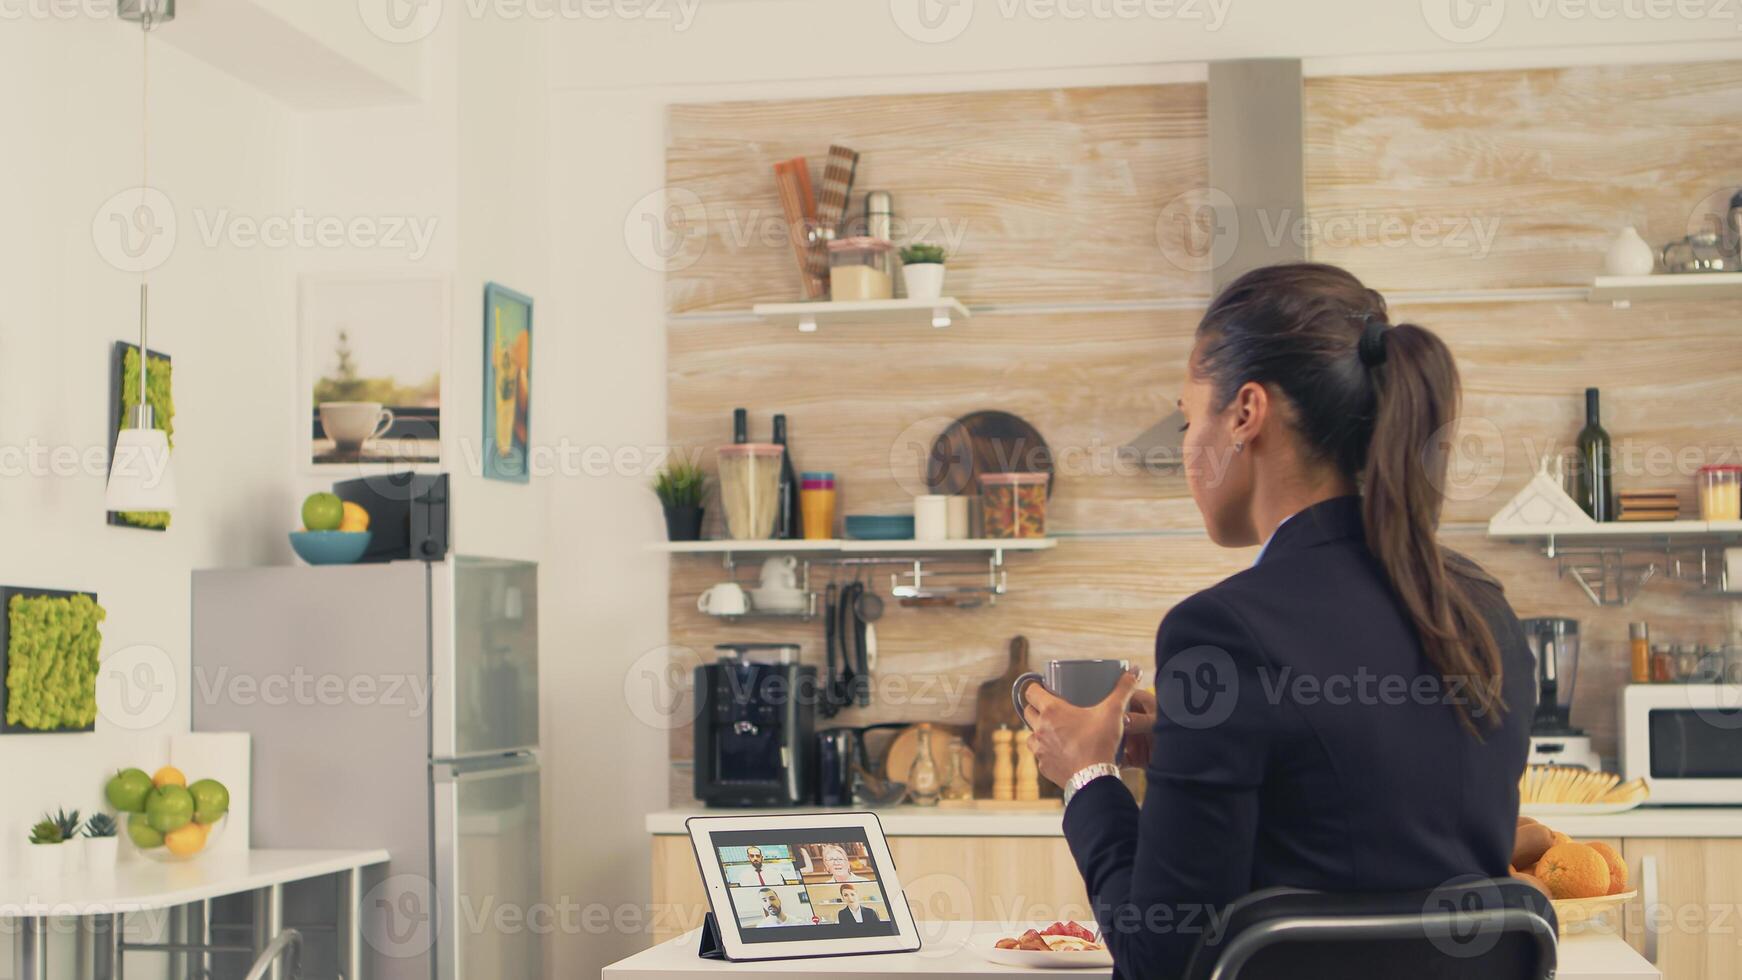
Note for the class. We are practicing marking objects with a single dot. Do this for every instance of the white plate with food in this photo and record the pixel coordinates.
(1058, 946)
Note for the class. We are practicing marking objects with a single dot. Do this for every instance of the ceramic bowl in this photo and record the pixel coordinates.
(329, 547)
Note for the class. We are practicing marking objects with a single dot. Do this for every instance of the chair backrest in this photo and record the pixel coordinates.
(1486, 928)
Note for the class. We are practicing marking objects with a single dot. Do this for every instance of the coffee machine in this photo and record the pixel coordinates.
(1554, 642)
(754, 733)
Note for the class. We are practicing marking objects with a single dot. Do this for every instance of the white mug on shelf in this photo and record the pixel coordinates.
(725, 599)
(959, 524)
(931, 517)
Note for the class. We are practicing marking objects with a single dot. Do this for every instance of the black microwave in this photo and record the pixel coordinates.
(408, 514)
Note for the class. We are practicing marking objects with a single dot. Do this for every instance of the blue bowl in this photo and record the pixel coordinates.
(880, 527)
(329, 547)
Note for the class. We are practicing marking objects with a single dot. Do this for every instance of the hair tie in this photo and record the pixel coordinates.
(1372, 344)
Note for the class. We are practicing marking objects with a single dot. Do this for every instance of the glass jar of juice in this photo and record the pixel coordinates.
(1013, 505)
(1721, 493)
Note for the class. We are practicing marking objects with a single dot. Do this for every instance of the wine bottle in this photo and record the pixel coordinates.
(1596, 486)
(787, 523)
(740, 426)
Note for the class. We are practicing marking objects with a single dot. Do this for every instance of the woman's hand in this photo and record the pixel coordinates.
(1066, 738)
(1140, 728)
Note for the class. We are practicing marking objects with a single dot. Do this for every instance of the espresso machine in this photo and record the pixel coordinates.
(754, 733)
(1554, 642)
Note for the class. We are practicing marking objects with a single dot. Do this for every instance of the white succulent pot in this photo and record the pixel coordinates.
(925, 280)
(101, 853)
(43, 862)
(72, 856)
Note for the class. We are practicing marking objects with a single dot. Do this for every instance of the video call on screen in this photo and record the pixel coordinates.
(803, 884)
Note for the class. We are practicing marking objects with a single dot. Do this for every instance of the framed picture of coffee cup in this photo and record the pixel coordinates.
(507, 383)
(372, 356)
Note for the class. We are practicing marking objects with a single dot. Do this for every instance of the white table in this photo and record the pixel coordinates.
(101, 900)
(1583, 957)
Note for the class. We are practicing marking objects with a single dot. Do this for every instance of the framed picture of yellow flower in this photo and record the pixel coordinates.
(507, 383)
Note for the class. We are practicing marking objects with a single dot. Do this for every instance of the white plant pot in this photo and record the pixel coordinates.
(925, 280)
(72, 856)
(43, 862)
(101, 853)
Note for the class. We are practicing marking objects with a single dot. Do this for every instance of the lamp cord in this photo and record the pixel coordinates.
(147, 9)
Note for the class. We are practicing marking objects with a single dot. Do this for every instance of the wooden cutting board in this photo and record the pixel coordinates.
(992, 708)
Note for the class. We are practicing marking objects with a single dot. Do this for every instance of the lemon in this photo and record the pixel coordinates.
(186, 839)
(355, 519)
(169, 776)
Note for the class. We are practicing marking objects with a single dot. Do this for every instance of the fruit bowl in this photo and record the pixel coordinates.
(1576, 914)
(163, 853)
(329, 547)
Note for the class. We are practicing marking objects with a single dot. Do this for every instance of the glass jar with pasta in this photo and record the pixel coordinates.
(1013, 505)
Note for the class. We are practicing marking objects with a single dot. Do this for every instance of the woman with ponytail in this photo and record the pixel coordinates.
(1349, 714)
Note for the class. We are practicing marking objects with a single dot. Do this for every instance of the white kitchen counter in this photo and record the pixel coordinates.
(1585, 957)
(141, 884)
(920, 821)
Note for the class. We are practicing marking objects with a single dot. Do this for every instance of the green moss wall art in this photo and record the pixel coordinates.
(49, 646)
(123, 396)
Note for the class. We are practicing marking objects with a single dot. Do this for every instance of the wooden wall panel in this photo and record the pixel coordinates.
(1556, 155)
(1050, 195)
(1404, 170)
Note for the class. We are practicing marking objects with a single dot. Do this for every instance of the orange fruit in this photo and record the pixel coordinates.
(1617, 867)
(168, 776)
(1573, 871)
(185, 840)
(1533, 881)
(355, 519)
(1560, 838)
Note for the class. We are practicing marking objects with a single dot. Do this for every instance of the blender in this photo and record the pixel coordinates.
(1554, 642)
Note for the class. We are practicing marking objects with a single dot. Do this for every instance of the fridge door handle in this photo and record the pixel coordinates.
(472, 771)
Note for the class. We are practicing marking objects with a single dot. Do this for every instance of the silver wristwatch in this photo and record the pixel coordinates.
(1086, 775)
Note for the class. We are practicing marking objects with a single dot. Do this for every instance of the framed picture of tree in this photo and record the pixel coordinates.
(371, 364)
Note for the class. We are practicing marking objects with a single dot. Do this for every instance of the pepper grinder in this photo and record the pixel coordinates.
(1003, 766)
(1027, 770)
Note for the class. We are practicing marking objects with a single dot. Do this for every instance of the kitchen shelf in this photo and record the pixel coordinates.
(809, 317)
(919, 581)
(1621, 291)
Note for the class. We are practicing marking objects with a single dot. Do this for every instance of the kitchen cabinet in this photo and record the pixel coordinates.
(1696, 908)
(946, 878)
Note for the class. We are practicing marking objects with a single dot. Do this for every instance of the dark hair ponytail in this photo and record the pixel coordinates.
(1377, 401)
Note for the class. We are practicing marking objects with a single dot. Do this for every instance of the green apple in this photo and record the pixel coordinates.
(323, 512)
(127, 790)
(211, 801)
(144, 836)
(169, 807)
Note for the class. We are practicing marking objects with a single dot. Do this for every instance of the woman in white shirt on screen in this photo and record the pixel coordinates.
(839, 866)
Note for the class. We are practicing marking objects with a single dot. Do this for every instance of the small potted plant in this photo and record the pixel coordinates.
(71, 848)
(681, 489)
(100, 843)
(922, 268)
(43, 858)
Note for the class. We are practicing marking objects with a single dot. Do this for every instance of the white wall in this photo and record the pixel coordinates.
(72, 141)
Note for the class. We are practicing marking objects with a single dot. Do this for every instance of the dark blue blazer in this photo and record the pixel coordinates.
(1305, 741)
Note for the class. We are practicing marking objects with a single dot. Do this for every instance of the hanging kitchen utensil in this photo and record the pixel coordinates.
(986, 442)
(870, 609)
(833, 698)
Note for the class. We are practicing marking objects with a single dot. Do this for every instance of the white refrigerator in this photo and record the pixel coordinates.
(392, 705)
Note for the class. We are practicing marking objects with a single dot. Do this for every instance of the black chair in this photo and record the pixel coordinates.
(1473, 929)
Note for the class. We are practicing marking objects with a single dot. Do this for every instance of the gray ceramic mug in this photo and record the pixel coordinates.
(1084, 683)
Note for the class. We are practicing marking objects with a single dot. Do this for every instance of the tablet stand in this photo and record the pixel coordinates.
(711, 948)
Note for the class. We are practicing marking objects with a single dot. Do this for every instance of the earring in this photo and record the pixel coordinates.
(1239, 447)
